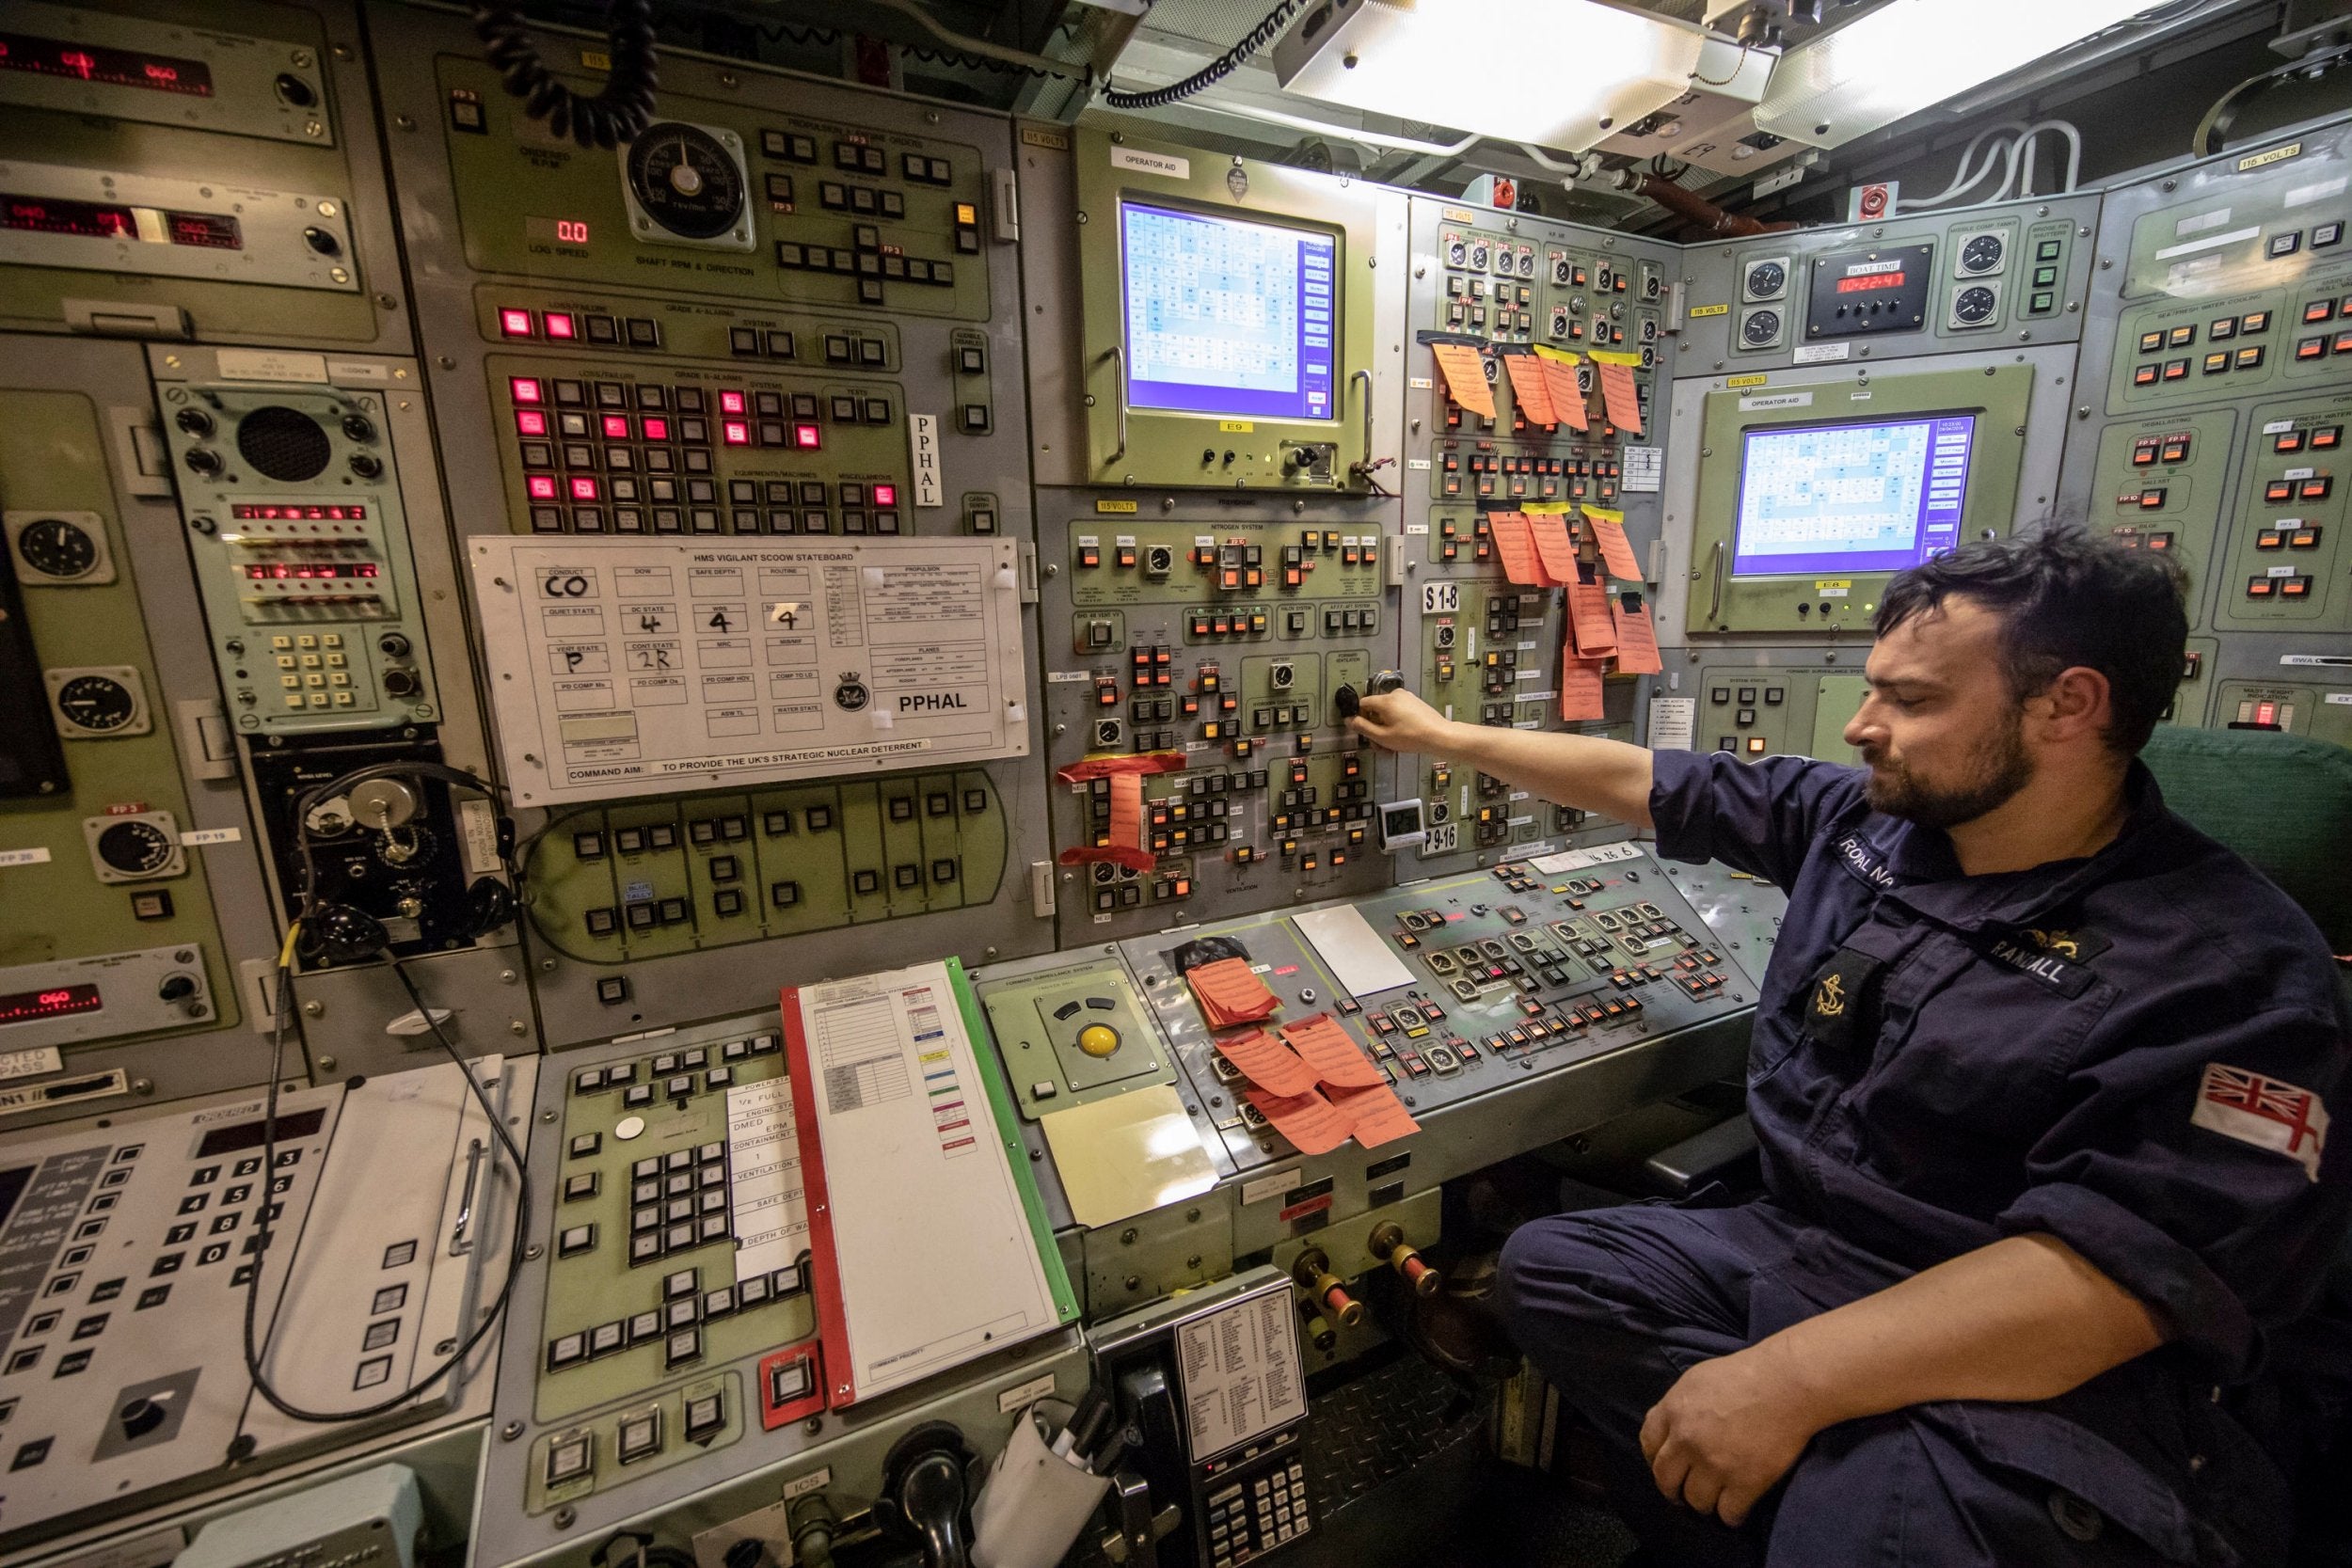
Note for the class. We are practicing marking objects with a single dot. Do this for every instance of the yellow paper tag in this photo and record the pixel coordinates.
(1236, 427)
(1614, 356)
(1698, 310)
(1114, 506)
(1605, 515)
(1557, 355)
(2276, 155)
(595, 59)
(1547, 509)
(1739, 380)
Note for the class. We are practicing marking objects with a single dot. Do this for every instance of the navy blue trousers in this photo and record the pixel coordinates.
(1613, 1304)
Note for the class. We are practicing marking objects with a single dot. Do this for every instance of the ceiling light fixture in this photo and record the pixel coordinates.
(1910, 54)
(1496, 67)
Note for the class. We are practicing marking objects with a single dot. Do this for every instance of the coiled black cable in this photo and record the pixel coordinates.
(615, 115)
(1215, 71)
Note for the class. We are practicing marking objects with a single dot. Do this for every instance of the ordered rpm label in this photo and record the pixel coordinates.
(623, 667)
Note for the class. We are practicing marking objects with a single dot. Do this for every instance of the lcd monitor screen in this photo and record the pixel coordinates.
(1851, 498)
(1227, 316)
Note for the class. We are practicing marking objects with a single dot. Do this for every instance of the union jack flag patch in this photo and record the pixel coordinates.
(2267, 1113)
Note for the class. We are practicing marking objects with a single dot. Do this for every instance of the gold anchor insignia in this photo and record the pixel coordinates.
(2054, 941)
(1831, 999)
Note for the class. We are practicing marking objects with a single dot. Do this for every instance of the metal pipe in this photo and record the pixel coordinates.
(1698, 210)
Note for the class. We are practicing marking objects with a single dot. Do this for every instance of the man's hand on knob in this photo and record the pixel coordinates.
(1400, 722)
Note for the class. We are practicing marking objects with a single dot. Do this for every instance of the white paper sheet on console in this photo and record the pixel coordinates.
(636, 667)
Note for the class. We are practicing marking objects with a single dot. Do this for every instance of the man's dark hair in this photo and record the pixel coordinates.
(2066, 598)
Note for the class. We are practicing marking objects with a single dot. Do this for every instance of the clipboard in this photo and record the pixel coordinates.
(880, 1064)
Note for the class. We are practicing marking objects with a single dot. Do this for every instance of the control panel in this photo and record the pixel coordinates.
(788, 310)
(171, 180)
(661, 1360)
(2215, 428)
(293, 501)
(1908, 286)
(1201, 760)
(129, 891)
(1531, 403)
(131, 1246)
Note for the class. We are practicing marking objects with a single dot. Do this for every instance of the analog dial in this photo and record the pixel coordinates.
(1766, 278)
(1973, 304)
(97, 703)
(685, 180)
(56, 549)
(1981, 254)
(1760, 327)
(135, 848)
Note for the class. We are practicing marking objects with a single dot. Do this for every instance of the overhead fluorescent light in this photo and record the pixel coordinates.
(1557, 74)
(1910, 54)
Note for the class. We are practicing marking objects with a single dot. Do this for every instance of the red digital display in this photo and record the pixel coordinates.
(50, 1002)
(341, 513)
(118, 68)
(47, 215)
(286, 572)
(1869, 282)
(94, 220)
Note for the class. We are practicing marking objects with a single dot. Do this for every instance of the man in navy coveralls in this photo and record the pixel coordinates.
(2042, 1078)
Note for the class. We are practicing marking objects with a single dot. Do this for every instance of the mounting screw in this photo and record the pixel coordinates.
(403, 122)
(515, 1026)
(313, 1009)
(326, 1064)
(511, 1430)
(814, 1425)
(564, 1517)
(532, 1251)
(1133, 1282)
(1128, 1236)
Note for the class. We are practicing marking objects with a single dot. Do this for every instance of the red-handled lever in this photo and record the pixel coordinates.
(1328, 1290)
(1388, 1244)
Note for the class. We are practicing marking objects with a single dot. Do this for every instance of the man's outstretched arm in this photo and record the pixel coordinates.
(1585, 771)
(2026, 1318)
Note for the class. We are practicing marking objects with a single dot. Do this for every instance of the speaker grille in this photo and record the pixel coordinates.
(283, 443)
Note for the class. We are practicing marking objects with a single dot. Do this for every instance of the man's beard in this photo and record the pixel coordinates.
(2002, 769)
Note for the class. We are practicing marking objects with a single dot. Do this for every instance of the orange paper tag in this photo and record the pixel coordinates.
(1311, 1123)
(1568, 394)
(1530, 388)
(1637, 639)
(1334, 1059)
(1515, 545)
(1580, 687)
(1588, 617)
(1616, 551)
(1230, 994)
(1266, 1062)
(1622, 399)
(1465, 371)
(1376, 1115)
(1126, 828)
(1554, 548)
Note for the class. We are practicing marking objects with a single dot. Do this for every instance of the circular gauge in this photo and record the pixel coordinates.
(135, 848)
(1766, 278)
(1981, 254)
(97, 703)
(56, 549)
(685, 180)
(1560, 271)
(1527, 263)
(1973, 304)
(1760, 327)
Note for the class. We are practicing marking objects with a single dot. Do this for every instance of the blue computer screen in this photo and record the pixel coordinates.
(1851, 498)
(1226, 316)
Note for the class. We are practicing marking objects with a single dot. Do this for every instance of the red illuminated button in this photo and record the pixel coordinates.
(583, 487)
(731, 403)
(559, 326)
(541, 486)
(530, 421)
(516, 323)
(735, 433)
(807, 437)
(617, 427)
(657, 428)
(523, 388)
